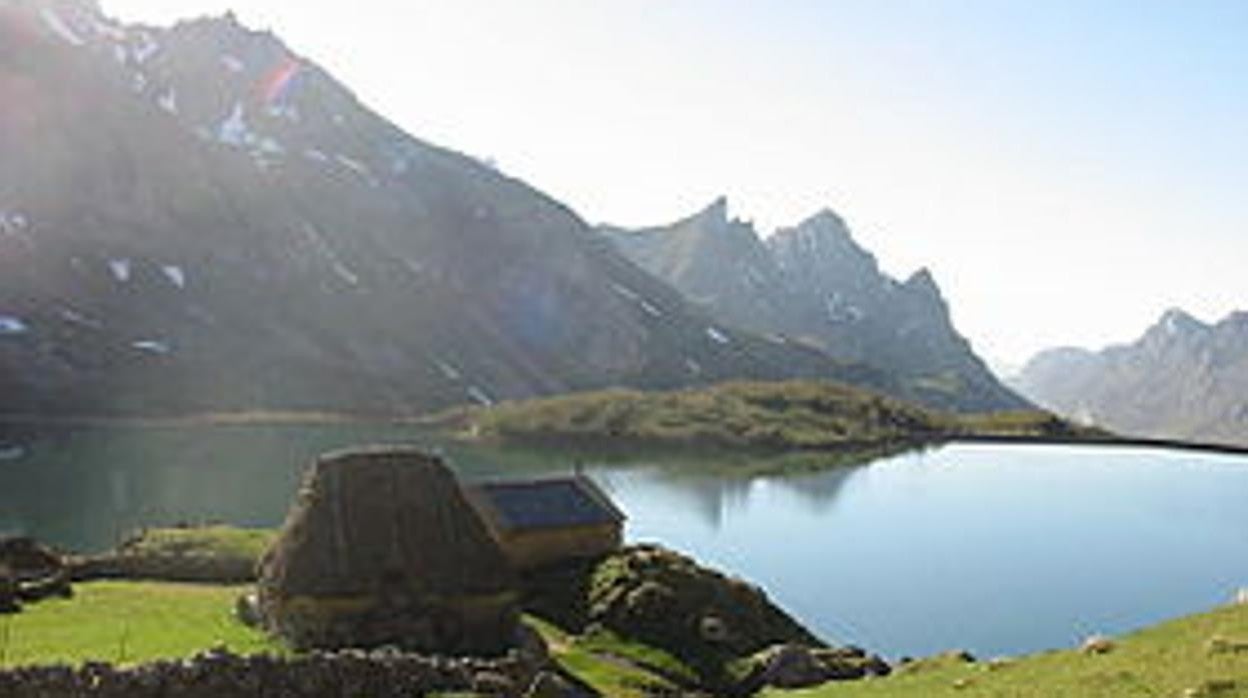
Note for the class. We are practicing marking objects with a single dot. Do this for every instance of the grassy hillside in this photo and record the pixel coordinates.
(1194, 657)
(797, 415)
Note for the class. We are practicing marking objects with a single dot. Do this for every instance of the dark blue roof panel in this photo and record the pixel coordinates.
(547, 504)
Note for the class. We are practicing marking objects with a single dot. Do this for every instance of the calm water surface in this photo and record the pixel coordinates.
(998, 550)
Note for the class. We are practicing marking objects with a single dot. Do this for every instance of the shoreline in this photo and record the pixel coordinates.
(1106, 442)
(293, 419)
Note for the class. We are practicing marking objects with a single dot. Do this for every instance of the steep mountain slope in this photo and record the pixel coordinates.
(1182, 379)
(197, 218)
(813, 283)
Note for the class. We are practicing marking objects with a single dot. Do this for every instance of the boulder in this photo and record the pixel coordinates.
(1096, 645)
(247, 610)
(28, 559)
(791, 666)
(849, 663)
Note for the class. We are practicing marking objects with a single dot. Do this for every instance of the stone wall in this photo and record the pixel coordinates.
(219, 674)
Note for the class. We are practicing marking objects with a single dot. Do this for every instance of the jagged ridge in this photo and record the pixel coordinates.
(813, 283)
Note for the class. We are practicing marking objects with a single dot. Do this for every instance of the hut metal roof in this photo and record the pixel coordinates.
(544, 503)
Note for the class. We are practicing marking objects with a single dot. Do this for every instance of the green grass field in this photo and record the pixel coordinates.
(1194, 657)
(128, 623)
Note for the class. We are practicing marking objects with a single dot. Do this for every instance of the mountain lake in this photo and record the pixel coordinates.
(998, 550)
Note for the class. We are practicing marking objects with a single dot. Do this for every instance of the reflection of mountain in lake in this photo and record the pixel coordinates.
(717, 497)
(819, 490)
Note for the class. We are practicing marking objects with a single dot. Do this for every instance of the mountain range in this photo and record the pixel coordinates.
(1182, 379)
(813, 284)
(196, 218)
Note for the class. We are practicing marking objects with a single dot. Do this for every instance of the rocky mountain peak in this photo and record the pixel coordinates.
(1175, 324)
(1182, 379)
(827, 222)
(822, 245)
(923, 282)
(716, 213)
(1237, 319)
(815, 282)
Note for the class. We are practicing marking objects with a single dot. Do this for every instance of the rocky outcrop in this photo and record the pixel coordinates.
(1182, 379)
(813, 283)
(30, 572)
(667, 600)
(793, 666)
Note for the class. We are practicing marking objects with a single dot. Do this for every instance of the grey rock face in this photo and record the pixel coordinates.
(1182, 379)
(813, 284)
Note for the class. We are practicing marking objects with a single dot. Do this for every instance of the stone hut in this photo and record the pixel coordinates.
(550, 520)
(382, 548)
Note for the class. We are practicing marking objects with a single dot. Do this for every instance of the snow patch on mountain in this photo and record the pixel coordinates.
(233, 129)
(353, 165)
(626, 292)
(145, 48)
(12, 325)
(169, 101)
(120, 269)
(450, 372)
(480, 396)
(326, 252)
(152, 346)
(58, 26)
(12, 222)
(717, 336)
(74, 317)
(233, 63)
(175, 274)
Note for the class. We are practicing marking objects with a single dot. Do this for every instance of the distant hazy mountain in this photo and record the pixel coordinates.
(1182, 379)
(197, 218)
(812, 283)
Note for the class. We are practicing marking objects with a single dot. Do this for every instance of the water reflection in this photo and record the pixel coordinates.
(715, 497)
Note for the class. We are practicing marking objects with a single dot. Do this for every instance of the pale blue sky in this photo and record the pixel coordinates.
(1068, 170)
